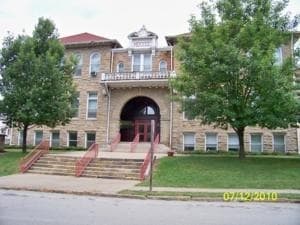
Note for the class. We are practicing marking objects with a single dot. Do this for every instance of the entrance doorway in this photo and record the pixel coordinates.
(136, 118)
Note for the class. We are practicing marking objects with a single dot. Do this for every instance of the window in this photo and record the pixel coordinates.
(90, 139)
(163, 66)
(188, 116)
(120, 67)
(20, 137)
(92, 105)
(279, 142)
(256, 142)
(189, 141)
(78, 68)
(73, 138)
(94, 63)
(211, 141)
(146, 111)
(38, 137)
(233, 142)
(75, 105)
(278, 56)
(55, 139)
(188, 103)
(141, 62)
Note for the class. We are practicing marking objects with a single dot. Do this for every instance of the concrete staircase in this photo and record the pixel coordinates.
(114, 168)
(98, 168)
(54, 165)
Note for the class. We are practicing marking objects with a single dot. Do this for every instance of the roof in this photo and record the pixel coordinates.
(83, 37)
(172, 39)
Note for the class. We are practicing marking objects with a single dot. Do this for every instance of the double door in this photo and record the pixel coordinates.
(143, 127)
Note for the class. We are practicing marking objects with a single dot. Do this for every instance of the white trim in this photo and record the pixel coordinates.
(80, 63)
(51, 136)
(90, 64)
(34, 136)
(284, 140)
(142, 66)
(217, 140)
(86, 140)
(68, 138)
(187, 132)
(87, 105)
(261, 141)
(118, 69)
(161, 61)
(231, 133)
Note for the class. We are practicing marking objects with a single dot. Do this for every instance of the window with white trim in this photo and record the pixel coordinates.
(141, 62)
(233, 142)
(211, 141)
(20, 137)
(188, 141)
(278, 56)
(94, 63)
(90, 138)
(163, 66)
(75, 105)
(78, 68)
(92, 105)
(120, 67)
(256, 142)
(279, 142)
(38, 137)
(73, 139)
(54, 138)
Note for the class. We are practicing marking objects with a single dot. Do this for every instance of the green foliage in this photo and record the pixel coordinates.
(36, 80)
(211, 171)
(228, 65)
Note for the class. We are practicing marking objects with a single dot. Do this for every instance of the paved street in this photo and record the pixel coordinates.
(36, 208)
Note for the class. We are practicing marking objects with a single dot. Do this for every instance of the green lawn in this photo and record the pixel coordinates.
(204, 171)
(9, 162)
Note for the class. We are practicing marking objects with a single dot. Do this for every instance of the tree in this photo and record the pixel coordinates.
(36, 85)
(228, 66)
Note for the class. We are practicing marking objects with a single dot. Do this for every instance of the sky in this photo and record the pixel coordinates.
(113, 19)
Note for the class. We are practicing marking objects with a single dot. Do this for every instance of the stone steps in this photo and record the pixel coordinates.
(100, 167)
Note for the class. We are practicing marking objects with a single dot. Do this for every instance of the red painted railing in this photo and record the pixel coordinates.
(115, 142)
(33, 156)
(146, 163)
(82, 163)
(135, 142)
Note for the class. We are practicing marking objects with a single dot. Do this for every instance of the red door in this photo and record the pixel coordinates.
(143, 127)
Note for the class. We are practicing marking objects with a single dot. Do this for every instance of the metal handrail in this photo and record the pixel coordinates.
(146, 163)
(115, 142)
(33, 156)
(82, 163)
(135, 142)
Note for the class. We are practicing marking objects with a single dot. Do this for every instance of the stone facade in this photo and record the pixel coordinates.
(113, 94)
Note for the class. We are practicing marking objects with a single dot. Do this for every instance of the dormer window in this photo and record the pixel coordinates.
(120, 67)
(94, 64)
(163, 66)
(141, 62)
(78, 68)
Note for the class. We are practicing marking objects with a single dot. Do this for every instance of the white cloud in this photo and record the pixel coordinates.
(111, 19)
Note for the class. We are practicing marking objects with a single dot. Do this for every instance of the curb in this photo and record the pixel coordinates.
(144, 197)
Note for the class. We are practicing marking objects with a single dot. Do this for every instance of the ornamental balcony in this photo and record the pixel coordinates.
(137, 79)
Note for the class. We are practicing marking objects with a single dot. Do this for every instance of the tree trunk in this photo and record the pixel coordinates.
(24, 145)
(240, 133)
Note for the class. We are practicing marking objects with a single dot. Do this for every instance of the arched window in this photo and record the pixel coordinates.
(94, 63)
(120, 67)
(78, 68)
(163, 66)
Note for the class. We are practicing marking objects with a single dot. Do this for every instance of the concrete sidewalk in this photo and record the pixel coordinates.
(65, 184)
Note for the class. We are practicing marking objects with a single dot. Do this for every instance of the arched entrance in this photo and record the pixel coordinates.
(136, 117)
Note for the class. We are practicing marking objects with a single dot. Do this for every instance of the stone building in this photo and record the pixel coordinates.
(120, 90)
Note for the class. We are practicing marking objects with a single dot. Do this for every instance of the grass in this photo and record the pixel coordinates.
(9, 161)
(218, 171)
(193, 195)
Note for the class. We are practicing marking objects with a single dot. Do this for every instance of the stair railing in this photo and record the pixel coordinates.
(115, 142)
(33, 156)
(82, 163)
(144, 167)
(135, 142)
